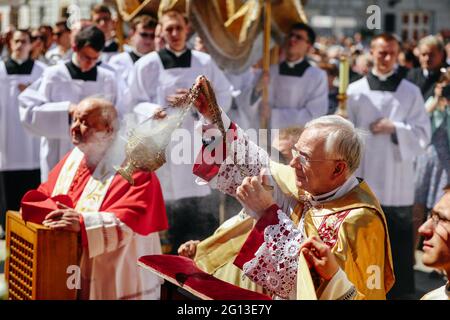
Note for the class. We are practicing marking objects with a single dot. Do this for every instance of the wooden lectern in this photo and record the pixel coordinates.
(36, 268)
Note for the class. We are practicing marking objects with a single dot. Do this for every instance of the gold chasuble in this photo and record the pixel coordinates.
(353, 226)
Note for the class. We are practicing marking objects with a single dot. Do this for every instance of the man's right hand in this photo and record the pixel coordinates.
(188, 249)
(201, 103)
(319, 256)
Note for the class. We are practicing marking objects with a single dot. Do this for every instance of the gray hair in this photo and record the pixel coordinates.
(431, 41)
(342, 139)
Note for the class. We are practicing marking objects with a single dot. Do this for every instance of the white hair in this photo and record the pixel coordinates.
(342, 139)
(432, 41)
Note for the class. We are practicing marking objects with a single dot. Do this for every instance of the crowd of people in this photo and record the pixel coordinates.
(366, 182)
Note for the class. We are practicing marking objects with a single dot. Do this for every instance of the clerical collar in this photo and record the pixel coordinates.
(77, 74)
(135, 56)
(297, 70)
(348, 185)
(292, 64)
(390, 81)
(176, 53)
(170, 60)
(384, 76)
(14, 66)
(111, 46)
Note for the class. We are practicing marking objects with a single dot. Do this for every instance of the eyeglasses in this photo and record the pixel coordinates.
(303, 160)
(436, 218)
(147, 35)
(297, 37)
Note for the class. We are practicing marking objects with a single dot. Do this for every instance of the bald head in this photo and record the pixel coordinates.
(93, 117)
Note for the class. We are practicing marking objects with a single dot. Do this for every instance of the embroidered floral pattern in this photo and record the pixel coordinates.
(275, 263)
(329, 228)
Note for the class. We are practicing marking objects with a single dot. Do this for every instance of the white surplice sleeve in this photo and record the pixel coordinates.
(222, 87)
(142, 88)
(414, 133)
(317, 104)
(105, 232)
(41, 117)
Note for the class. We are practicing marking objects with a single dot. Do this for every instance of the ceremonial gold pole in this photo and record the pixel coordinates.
(265, 112)
(343, 84)
(119, 28)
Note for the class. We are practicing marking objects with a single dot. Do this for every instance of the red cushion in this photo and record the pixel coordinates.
(36, 205)
(183, 272)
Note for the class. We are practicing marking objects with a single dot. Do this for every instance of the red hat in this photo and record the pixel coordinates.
(36, 205)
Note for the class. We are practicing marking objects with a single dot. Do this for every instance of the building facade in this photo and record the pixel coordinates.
(32, 13)
(409, 19)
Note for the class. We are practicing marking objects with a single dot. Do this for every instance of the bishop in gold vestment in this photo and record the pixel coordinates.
(347, 218)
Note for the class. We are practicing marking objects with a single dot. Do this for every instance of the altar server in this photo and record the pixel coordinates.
(392, 110)
(102, 18)
(19, 150)
(142, 41)
(160, 78)
(46, 106)
(298, 91)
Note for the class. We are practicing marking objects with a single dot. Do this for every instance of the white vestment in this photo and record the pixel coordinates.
(297, 94)
(387, 163)
(123, 64)
(19, 150)
(150, 84)
(243, 111)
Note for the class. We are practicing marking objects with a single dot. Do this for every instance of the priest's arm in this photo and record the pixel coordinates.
(39, 115)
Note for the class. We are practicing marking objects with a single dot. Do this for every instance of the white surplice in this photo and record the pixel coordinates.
(19, 150)
(387, 164)
(299, 97)
(150, 84)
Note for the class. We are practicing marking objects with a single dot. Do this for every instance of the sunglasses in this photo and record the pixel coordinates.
(147, 35)
(59, 34)
(42, 38)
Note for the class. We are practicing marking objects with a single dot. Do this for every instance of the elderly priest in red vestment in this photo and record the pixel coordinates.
(117, 222)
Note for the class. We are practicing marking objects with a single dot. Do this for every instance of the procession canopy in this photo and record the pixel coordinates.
(232, 30)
